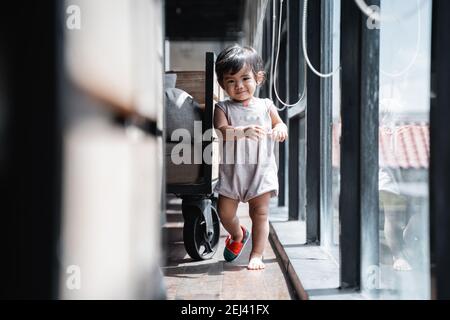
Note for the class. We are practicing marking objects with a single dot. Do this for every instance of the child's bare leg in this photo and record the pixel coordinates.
(227, 208)
(259, 213)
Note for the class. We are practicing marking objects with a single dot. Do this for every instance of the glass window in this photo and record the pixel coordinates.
(336, 131)
(405, 46)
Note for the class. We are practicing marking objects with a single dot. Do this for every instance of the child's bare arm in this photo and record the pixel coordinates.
(228, 132)
(280, 130)
(276, 119)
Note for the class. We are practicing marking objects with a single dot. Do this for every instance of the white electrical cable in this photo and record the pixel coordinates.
(305, 54)
(274, 70)
(376, 16)
(305, 51)
(369, 12)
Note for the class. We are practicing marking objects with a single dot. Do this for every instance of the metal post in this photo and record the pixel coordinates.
(313, 126)
(370, 212)
(326, 110)
(349, 201)
(282, 89)
(294, 73)
(440, 151)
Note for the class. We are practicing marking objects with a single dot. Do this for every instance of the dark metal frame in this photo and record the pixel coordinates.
(206, 185)
(313, 126)
(283, 92)
(358, 203)
(326, 121)
(349, 200)
(266, 49)
(369, 150)
(440, 153)
(294, 88)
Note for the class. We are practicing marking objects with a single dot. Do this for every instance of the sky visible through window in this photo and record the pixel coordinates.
(405, 56)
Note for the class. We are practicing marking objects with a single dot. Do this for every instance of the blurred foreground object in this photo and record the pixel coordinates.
(113, 171)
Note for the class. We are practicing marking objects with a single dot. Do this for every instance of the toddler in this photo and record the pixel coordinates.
(249, 127)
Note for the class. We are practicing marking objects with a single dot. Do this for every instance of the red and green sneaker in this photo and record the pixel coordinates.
(233, 249)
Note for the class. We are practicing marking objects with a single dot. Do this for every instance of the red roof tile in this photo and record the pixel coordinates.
(404, 146)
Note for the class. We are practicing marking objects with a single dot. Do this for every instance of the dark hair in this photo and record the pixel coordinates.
(234, 58)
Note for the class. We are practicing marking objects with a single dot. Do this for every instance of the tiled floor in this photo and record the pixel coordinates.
(216, 279)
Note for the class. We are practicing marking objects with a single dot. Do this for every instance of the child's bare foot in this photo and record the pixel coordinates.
(255, 263)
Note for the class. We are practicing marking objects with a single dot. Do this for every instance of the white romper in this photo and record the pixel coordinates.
(248, 168)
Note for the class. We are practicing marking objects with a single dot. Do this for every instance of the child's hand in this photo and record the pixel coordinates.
(279, 132)
(254, 132)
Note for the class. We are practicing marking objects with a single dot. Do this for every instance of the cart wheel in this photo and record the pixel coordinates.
(198, 244)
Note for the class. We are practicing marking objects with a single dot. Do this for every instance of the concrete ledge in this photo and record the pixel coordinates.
(312, 272)
(287, 267)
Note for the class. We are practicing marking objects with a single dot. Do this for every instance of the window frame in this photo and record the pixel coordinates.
(358, 200)
(439, 185)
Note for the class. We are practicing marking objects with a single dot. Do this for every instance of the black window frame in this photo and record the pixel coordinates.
(358, 201)
(439, 175)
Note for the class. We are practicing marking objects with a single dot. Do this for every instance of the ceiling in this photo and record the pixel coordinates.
(219, 20)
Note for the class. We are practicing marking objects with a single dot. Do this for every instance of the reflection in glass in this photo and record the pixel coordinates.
(336, 149)
(404, 149)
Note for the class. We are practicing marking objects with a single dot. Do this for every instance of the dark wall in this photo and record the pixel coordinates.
(30, 165)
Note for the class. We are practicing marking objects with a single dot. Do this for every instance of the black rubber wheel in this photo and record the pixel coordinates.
(198, 244)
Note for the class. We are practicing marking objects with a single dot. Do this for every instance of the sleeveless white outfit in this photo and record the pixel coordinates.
(248, 168)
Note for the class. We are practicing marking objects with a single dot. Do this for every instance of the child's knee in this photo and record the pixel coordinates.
(259, 213)
(227, 215)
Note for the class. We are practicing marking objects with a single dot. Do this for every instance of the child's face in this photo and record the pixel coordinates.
(242, 85)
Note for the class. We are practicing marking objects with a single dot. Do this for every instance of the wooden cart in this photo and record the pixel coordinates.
(194, 183)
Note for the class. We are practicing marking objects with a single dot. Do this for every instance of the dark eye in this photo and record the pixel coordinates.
(247, 78)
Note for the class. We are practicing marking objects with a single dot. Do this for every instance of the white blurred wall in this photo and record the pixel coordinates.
(113, 174)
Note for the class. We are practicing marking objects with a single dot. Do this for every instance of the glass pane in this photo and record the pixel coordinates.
(405, 46)
(336, 135)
